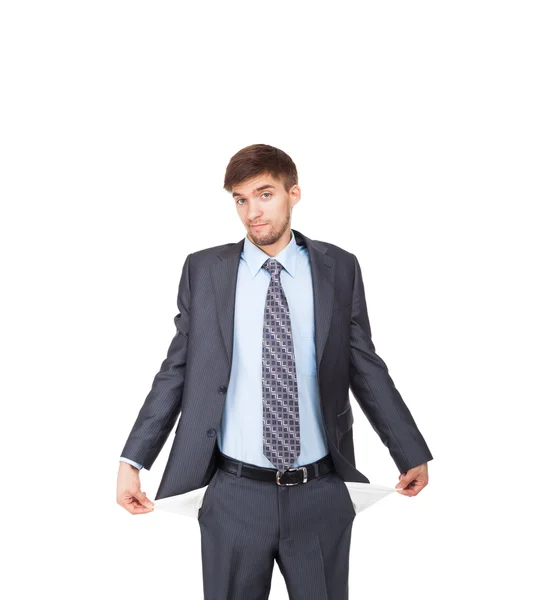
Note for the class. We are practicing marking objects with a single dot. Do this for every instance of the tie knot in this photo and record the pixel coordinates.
(273, 267)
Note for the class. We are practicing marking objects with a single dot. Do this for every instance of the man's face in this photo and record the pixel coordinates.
(263, 201)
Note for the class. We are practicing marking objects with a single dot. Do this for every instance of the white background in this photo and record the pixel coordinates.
(419, 131)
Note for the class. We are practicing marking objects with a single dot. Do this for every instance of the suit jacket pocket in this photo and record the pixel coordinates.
(342, 306)
(345, 419)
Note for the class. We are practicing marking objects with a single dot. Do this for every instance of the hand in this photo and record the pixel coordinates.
(413, 481)
(129, 495)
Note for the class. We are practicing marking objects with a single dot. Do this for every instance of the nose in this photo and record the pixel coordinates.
(254, 212)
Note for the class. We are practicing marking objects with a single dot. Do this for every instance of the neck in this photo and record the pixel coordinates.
(275, 249)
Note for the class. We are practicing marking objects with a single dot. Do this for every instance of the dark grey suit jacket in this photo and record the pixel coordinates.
(194, 377)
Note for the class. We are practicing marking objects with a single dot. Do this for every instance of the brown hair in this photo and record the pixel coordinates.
(260, 159)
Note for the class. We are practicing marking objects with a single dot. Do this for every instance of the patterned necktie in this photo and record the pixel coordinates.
(281, 444)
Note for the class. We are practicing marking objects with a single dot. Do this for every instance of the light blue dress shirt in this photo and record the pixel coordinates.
(240, 434)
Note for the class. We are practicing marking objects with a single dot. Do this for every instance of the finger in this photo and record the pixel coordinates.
(140, 510)
(412, 489)
(137, 509)
(136, 498)
(136, 504)
(405, 480)
(141, 497)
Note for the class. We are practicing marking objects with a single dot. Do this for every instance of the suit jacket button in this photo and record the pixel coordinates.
(211, 432)
(222, 389)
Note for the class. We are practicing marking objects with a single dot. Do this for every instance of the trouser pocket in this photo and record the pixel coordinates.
(346, 495)
(205, 499)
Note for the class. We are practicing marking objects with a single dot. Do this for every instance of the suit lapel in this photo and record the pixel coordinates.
(224, 276)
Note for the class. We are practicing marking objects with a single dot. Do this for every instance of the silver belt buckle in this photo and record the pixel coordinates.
(293, 469)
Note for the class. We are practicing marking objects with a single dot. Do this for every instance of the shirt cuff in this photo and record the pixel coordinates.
(131, 462)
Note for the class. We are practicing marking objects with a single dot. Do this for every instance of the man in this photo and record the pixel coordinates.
(272, 333)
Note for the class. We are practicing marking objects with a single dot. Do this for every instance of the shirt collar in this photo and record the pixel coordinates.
(255, 257)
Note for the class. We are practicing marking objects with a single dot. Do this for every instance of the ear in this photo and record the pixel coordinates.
(295, 194)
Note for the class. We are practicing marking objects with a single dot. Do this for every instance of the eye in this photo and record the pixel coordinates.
(269, 193)
(237, 201)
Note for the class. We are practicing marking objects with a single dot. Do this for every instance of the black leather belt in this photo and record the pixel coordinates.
(292, 476)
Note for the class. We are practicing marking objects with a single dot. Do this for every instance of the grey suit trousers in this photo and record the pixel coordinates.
(246, 524)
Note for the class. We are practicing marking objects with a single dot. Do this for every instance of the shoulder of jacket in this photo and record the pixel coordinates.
(206, 253)
(337, 251)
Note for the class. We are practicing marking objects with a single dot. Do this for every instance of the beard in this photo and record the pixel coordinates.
(273, 233)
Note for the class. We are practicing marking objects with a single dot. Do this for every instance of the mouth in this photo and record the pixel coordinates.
(259, 225)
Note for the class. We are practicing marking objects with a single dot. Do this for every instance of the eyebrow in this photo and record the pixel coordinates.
(258, 189)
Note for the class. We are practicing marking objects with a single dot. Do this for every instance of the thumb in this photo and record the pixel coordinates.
(404, 480)
(142, 498)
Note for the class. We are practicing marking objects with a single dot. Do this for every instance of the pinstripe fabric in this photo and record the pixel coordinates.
(194, 377)
(242, 438)
(305, 528)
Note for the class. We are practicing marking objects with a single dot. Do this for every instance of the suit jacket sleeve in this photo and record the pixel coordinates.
(374, 390)
(162, 405)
